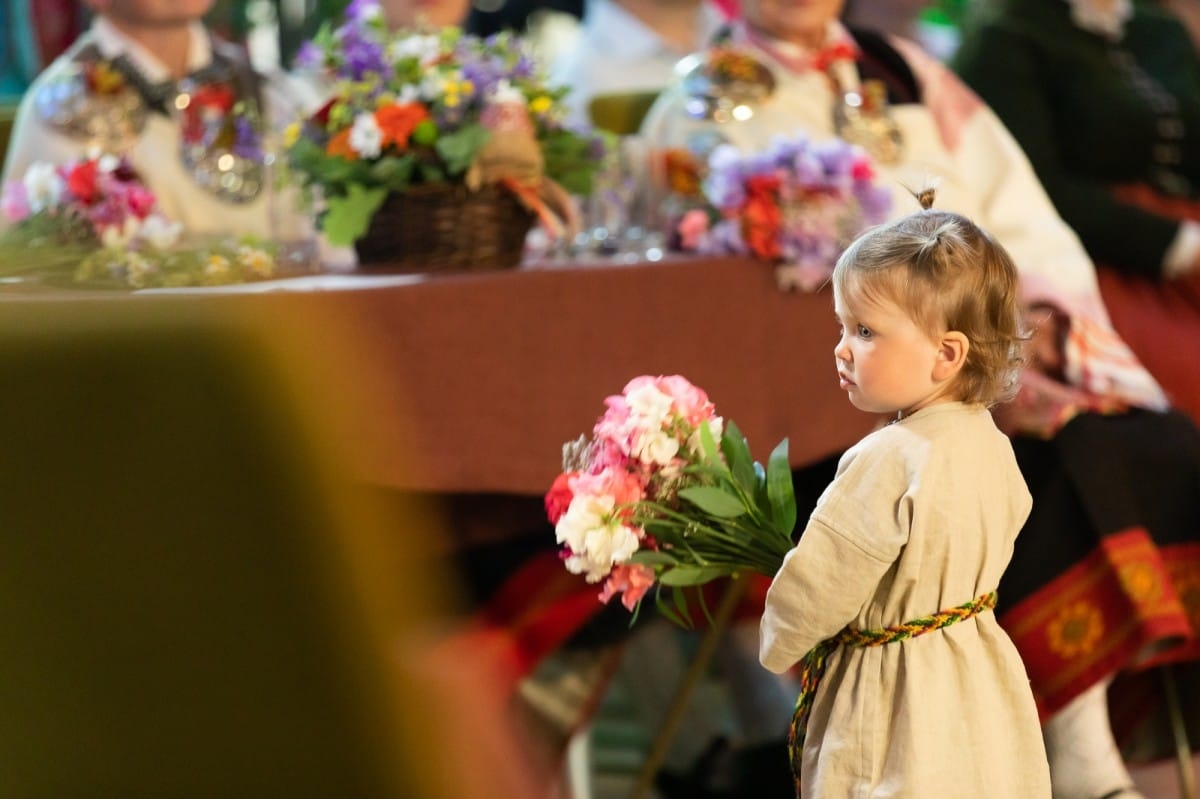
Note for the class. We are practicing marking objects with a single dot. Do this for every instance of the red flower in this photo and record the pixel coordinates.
(214, 95)
(558, 498)
(762, 220)
(861, 170)
(321, 115)
(81, 180)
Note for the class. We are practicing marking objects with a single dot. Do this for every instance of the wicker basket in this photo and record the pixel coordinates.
(445, 227)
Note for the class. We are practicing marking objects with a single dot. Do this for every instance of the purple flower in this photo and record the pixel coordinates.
(309, 57)
(362, 56)
(246, 141)
(362, 10)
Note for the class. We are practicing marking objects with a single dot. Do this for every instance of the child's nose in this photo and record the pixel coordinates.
(841, 351)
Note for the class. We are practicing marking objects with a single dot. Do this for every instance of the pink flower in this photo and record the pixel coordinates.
(14, 202)
(631, 580)
(140, 200)
(692, 229)
(691, 402)
(623, 486)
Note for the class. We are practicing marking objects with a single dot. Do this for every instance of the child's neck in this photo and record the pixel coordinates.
(904, 413)
(170, 44)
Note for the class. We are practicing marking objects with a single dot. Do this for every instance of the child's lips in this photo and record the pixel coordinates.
(844, 381)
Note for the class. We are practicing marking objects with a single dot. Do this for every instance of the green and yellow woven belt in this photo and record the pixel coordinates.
(812, 666)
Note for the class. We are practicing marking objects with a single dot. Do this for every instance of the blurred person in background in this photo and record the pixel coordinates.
(432, 13)
(1104, 97)
(631, 46)
(150, 81)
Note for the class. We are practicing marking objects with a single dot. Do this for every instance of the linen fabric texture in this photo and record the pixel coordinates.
(922, 516)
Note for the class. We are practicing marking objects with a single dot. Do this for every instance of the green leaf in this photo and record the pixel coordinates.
(714, 501)
(779, 488)
(708, 446)
(679, 613)
(393, 173)
(347, 218)
(458, 149)
(737, 455)
(650, 557)
(694, 575)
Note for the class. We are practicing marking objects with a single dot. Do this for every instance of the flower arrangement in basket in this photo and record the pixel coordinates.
(93, 221)
(423, 120)
(796, 205)
(666, 494)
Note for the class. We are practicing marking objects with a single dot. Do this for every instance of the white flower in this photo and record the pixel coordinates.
(119, 236)
(425, 48)
(108, 163)
(44, 187)
(654, 446)
(505, 93)
(649, 403)
(596, 539)
(366, 138)
(408, 94)
(160, 232)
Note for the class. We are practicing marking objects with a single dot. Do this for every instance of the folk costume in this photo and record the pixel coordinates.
(1107, 107)
(198, 144)
(921, 516)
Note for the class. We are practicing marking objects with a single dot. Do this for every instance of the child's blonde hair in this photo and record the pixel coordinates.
(949, 274)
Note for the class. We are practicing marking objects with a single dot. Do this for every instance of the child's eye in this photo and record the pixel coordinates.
(864, 331)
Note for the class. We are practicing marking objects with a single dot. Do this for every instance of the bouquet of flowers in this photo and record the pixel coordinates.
(796, 205)
(93, 221)
(666, 493)
(411, 108)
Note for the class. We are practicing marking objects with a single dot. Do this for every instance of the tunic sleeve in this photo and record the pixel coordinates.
(854, 536)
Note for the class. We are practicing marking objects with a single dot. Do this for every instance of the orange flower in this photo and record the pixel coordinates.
(762, 220)
(397, 122)
(683, 172)
(340, 145)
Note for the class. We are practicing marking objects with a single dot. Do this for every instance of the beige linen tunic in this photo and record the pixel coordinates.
(921, 517)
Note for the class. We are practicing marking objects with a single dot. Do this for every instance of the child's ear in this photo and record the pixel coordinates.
(951, 355)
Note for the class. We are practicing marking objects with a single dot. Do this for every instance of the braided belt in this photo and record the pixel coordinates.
(812, 667)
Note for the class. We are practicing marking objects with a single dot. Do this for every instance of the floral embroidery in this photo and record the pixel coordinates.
(1141, 582)
(1075, 630)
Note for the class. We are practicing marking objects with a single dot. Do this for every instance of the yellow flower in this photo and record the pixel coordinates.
(257, 261)
(291, 134)
(217, 266)
(540, 104)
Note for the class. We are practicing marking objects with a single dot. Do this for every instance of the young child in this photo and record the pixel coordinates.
(891, 587)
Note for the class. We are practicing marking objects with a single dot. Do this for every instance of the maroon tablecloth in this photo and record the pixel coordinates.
(472, 382)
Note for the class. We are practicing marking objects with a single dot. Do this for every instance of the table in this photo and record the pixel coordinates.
(472, 382)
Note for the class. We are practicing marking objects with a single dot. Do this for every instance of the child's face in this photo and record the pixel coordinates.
(885, 362)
